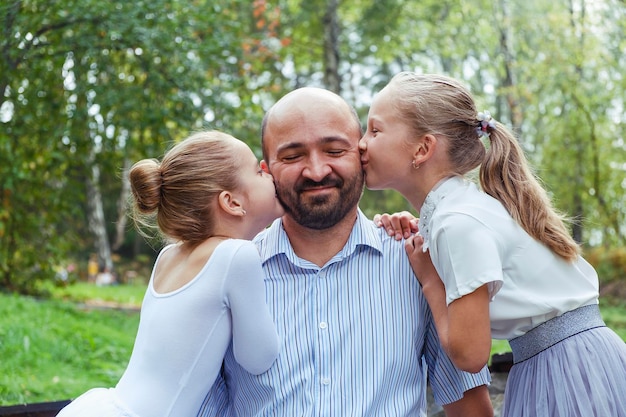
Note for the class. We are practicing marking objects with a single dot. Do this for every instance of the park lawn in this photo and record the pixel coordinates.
(55, 349)
(124, 295)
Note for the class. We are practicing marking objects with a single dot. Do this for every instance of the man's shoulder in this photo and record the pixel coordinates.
(272, 241)
(269, 232)
(260, 237)
(377, 237)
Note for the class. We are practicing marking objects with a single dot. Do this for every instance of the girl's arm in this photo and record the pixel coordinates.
(469, 331)
(255, 340)
(463, 326)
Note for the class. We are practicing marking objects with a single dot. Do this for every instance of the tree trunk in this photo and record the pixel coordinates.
(120, 225)
(332, 79)
(509, 81)
(96, 217)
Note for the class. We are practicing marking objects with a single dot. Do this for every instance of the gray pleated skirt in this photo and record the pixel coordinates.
(581, 374)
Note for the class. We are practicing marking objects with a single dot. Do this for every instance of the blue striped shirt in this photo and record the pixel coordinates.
(357, 335)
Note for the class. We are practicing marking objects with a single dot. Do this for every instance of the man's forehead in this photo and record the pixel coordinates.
(318, 126)
(306, 102)
(320, 118)
(310, 117)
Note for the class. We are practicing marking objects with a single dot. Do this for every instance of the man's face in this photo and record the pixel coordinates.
(314, 159)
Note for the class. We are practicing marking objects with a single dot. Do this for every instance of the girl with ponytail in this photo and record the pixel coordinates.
(495, 260)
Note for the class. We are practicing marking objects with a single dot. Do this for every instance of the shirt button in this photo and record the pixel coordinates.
(323, 325)
(326, 381)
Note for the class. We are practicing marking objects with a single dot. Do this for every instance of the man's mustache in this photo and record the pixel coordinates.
(307, 184)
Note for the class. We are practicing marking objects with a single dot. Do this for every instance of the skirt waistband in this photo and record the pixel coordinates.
(555, 330)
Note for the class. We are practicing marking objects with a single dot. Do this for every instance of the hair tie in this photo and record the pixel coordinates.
(161, 182)
(160, 171)
(485, 121)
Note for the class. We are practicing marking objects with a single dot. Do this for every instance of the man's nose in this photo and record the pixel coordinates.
(317, 169)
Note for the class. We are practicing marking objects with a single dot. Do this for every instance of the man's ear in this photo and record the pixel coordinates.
(265, 167)
(230, 204)
(424, 149)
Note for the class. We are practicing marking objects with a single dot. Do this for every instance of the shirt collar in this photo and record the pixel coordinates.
(273, 241)
(364, 233)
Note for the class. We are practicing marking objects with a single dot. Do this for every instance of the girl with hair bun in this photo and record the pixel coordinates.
(493, 263)
(209, 198)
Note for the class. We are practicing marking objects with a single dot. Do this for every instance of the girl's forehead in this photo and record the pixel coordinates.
(382, 107)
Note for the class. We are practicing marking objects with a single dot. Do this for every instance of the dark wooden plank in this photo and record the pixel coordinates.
(501, 362)
(47, 409)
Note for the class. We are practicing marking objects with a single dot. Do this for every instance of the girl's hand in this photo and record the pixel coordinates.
(422, 265)
(401, 225)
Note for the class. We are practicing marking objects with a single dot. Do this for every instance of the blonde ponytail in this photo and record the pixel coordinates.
(506, 176)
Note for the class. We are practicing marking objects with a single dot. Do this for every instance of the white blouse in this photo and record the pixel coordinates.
(474, 241)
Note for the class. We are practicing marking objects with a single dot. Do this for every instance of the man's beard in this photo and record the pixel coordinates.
(325, 211)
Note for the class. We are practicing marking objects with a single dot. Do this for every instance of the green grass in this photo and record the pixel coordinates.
(56, 349)
(82, 292)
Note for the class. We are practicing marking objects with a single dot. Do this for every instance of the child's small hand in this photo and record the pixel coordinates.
(422, 264)
(401, 225)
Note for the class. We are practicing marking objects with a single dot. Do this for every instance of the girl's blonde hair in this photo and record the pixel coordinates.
(179, 192)
(441, 106)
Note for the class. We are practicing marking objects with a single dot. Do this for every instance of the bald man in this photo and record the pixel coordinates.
(357, 335)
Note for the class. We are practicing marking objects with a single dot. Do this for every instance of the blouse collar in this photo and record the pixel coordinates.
(434, 197)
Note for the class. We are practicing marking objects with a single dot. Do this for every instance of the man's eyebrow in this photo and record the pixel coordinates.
(289, 146)
(333, 139)
(324, 141)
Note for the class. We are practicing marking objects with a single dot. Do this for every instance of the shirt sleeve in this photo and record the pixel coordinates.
(447, 382)
(466, 256)
(216, 402)
(255, 340)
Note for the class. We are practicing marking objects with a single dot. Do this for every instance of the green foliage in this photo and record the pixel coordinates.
(385, 201)
(90, 86)
(614, 316)
(610, 263)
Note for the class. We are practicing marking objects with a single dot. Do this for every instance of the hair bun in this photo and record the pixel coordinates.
(145, 182)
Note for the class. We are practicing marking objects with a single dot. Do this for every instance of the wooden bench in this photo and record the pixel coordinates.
(49, 409)
(501, 362)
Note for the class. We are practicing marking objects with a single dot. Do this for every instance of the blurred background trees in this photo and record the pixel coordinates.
(89, 87)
